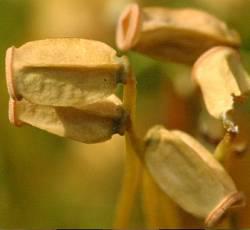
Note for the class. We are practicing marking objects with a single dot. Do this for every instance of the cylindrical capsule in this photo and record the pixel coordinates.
(179, 35)
(63, 72)
(220, 76)
(190, 175)
(91, 125)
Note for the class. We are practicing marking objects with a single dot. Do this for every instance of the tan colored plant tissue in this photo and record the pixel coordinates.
(190, 175)
(220, 75)
(63, 72)
(92, 125)
(179, 35)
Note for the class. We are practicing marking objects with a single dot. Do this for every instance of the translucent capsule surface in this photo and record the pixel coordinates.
(63, 72)
(87, 126)
(190, 175)
(220, 75)
(179, 35)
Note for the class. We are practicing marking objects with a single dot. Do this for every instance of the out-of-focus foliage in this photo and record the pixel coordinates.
(46, 181)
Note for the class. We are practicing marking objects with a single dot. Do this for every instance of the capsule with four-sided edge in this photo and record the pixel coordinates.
(92, 124)
(179, 35)
(63, 72)
(190, 175)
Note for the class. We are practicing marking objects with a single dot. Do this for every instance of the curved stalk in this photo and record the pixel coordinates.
(222, 154)
(159, 210)
(224, 148)
(133, 165)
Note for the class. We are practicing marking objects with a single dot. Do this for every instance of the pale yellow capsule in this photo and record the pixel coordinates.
(179, 35)
(92, 125)
(190, 175)
(63, 72)
(220, 76)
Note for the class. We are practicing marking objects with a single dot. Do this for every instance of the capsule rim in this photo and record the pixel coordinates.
(127, 37)
(12, 113)
(233, 200)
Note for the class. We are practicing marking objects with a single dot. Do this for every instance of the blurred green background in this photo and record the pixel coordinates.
(50, 182)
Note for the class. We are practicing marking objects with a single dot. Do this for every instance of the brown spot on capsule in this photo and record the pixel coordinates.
(129, 27)
(120, 124)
